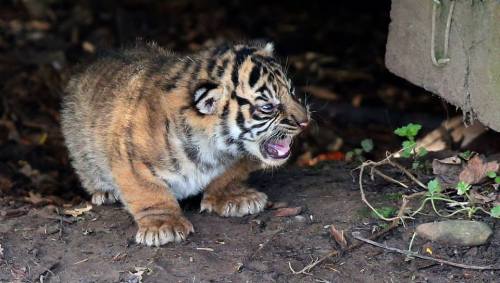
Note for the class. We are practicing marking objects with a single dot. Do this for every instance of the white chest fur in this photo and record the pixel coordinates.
(190, 181)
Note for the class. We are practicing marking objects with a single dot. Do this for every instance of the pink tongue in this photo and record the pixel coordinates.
(281, 146)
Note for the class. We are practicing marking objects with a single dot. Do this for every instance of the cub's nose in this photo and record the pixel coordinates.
(304, 124)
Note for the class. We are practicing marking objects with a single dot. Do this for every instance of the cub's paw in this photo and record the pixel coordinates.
(100, 198)
(156, 230)
(234, 202)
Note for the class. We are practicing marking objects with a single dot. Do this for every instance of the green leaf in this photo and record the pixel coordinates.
(495, 211)
(358, 151)
(385, 211)
(408, 147)
(415, 165)
(491, 174)
(462, 188)
(349, 155)
(434, 187)
(367, 145)
(466, 155)
(409, 131)
(497, 180)
(422, 152)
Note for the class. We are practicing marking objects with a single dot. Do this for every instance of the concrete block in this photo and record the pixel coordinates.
(471, 79)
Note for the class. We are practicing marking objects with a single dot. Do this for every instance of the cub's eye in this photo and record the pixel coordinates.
(267, 107)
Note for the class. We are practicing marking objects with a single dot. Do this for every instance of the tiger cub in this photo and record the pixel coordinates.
(147, 127)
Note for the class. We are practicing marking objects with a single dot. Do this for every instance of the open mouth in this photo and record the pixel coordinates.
(277, 149)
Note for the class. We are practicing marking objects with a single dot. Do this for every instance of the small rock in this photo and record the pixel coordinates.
(456, 232)
(300, 218)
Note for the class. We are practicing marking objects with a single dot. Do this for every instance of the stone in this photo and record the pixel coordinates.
(471, 79)
(456, 232)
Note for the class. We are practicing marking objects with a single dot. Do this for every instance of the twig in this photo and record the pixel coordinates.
(407, 173)
(357, 236)
(387, 178)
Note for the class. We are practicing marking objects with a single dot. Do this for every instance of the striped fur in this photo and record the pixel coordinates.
(148, 127)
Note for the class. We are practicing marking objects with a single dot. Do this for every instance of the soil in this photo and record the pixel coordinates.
(333, 52)
(99, 247)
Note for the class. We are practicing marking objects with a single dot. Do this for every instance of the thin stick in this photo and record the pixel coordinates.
(388, 178)
(407, 173)
(357, 236)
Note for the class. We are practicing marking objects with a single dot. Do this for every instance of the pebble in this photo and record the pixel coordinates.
(456, 232)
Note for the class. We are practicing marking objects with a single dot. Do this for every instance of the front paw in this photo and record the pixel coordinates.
(156, 230)
(238, 202)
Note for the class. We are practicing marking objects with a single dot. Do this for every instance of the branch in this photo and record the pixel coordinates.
(357, 236)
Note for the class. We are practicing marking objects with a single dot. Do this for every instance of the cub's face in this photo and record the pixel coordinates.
(269, 115)
(259, 112)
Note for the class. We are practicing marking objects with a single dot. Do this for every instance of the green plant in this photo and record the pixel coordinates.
(494, 176)
(357, 153)
(466, 155)
(462, 188)
(435, 193)
(495, 211)
(385, 211)
(409, 132)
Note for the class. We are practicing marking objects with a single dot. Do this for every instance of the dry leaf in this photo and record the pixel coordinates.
(447, 170)
(287, 211)
(476, 169)
(277, 205)
(338, 236)
(136, 275)
(75, 212)
(482, 199)
(35, 198)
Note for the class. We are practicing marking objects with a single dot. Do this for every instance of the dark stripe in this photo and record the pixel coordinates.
(260, 97)
(262, 90)
(208, 86)
(225, 110)
(174, 78)
(254, 75)
(240, 120)
(261, 131)
(287, 121)
(151, 168)
(222, 68)
(240, 57)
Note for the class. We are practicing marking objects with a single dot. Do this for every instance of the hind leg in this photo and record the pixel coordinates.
(101, 188)
(101, 197)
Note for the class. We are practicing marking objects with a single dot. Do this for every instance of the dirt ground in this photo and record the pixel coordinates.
(99, 246)
(334, 53)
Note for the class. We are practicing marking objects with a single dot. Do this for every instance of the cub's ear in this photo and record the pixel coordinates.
(266, 49)
(269, 48)
(206, 97)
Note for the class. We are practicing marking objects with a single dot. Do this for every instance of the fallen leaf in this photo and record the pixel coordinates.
(306, 160)
(288, 211)
(482, 199)
(277, 205)
(428, 250)
(338, 236)
(136, 275)
(447, 170)
(34, 198)
(476, 170)
(75, 212)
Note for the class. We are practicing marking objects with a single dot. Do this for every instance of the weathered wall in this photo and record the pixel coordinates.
(471, 79)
